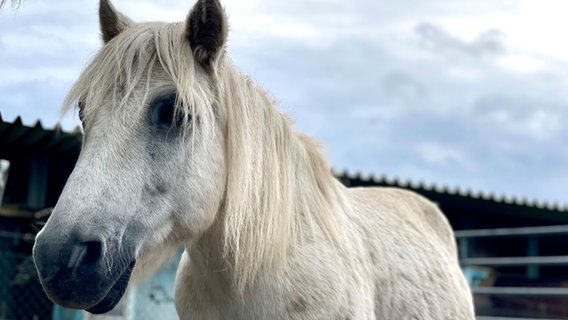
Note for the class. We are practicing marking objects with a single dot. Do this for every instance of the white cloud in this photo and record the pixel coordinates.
(444, 156)
(456, 92)
(521, 63)
(523, 116)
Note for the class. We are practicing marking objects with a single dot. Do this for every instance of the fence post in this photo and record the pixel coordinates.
(533, 270)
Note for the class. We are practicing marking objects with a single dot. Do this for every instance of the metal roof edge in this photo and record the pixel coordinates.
(16, 134)
(39, 125)
(456, 191)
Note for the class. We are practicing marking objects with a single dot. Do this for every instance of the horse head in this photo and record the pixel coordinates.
(150, 176)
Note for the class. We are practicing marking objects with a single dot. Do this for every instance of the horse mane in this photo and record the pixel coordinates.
(119, 67)
(279, 188)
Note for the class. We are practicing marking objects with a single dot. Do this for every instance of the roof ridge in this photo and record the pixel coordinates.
(455, 190)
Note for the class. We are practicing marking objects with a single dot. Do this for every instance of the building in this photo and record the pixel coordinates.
(508, 247)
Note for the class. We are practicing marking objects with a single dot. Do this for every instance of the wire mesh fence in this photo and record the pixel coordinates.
(22, 297)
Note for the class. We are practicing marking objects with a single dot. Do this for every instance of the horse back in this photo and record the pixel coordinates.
(413, 254)
(403, 213)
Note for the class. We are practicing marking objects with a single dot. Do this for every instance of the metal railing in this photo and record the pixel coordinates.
(532, 261)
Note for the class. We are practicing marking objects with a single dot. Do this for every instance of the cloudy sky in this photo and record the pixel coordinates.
(469, 93)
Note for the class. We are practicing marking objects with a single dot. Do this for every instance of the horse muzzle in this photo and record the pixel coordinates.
(81, 269)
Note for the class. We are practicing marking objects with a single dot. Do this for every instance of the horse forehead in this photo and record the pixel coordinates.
(145, 30)
(147, 36)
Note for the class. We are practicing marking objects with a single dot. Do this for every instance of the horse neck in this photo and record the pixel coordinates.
(279, 190)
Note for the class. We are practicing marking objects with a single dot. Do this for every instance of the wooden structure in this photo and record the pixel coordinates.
(512, 248)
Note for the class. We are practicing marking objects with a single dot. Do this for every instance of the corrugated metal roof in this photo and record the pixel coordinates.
(16, 135)
(453, 191)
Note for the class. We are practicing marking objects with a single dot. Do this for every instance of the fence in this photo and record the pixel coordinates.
(22, 298)
(21, 295)
(539, 285)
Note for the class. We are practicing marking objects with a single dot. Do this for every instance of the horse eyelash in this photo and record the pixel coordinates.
(81, 107)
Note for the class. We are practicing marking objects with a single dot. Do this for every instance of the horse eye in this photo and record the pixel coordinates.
(163, 112)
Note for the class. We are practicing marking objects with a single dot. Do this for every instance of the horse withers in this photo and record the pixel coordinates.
(181, 150)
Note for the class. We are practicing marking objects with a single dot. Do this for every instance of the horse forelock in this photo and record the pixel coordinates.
(126, 64)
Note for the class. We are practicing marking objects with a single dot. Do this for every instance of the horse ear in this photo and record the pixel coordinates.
(206, 30)
(112, 22)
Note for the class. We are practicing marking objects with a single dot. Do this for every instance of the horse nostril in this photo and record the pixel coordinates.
(94, 252)
(87, 253)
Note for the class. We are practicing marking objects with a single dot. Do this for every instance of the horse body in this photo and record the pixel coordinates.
(388, 275)
(180, 149)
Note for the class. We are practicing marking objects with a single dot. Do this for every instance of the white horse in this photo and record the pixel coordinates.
(181, 150)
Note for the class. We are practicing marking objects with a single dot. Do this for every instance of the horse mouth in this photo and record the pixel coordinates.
(113, 296)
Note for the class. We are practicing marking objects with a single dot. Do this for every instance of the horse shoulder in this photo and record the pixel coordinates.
(394, 206)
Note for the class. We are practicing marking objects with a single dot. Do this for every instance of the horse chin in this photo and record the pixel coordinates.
(115, 293)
